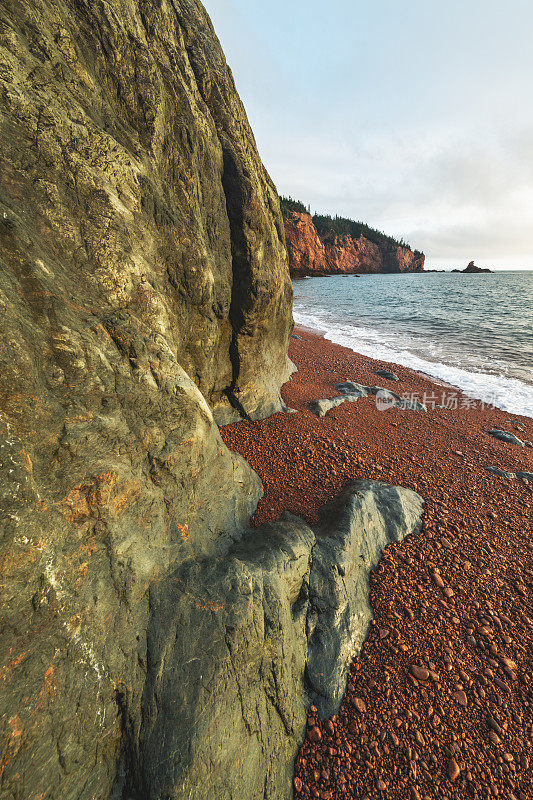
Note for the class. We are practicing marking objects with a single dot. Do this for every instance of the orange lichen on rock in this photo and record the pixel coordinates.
(13, 743)
(84, 500)
(48, 686)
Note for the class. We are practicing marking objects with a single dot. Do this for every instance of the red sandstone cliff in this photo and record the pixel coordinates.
(310, 254)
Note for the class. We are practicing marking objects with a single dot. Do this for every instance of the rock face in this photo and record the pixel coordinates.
(144, 281)
(250, 639)
(330, 254)
(307, 254)
(225, 703)
(131, 180)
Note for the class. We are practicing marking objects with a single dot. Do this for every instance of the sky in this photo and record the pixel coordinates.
(414, 116)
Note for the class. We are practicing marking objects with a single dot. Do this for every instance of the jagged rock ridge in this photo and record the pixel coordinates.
(331, 254)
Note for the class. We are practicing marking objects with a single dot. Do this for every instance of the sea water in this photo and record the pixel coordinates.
(474, 332)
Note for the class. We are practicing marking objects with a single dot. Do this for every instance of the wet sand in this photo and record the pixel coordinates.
(440, 702)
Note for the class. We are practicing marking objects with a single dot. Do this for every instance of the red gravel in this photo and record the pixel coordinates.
(440, 702)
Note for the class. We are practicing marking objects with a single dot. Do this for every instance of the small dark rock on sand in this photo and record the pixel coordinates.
(521, 475)
(385, 373)
(504, 436)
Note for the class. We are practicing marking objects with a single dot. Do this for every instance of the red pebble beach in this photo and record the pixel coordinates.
(440, 702)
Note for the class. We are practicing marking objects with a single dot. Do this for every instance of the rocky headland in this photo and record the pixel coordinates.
(330, 253)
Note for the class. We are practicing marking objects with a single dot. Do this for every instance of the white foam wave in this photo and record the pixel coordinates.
(509, 394)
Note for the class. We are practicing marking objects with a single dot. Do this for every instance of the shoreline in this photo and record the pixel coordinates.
(494, 386)
(392, 365)
(397, 735)
(321, 364)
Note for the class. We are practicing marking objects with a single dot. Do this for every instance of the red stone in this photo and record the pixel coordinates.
(461, 698)
(315, 734)
(453, 769)
(420, 673)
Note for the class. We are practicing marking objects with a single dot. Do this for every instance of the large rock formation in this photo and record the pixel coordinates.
(144, 282)
(332, 254)
(250, 639)
(130, 178)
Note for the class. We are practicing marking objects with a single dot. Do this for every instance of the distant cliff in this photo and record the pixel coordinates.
(315, 248)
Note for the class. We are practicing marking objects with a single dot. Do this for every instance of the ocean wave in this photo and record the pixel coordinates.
(508, 394)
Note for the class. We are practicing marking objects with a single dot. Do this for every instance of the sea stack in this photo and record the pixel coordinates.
(472, 269)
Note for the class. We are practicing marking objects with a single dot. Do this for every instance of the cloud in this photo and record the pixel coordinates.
(447, 193)
(415, 121)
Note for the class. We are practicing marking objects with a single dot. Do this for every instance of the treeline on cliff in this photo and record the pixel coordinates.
(288, 206)
(342, 226)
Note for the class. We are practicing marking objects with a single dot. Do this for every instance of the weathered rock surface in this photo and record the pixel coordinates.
(353, 530)
(250, 639)
(131, 183)
(144, 279)
(225, 703)
(331, 254)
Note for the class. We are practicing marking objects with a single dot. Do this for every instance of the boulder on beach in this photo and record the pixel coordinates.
(521, 475)
(502, 473)
(349, 388)
(351, 392)
(505, 436)
(321, 407)
(385, 373)
(386, 399)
